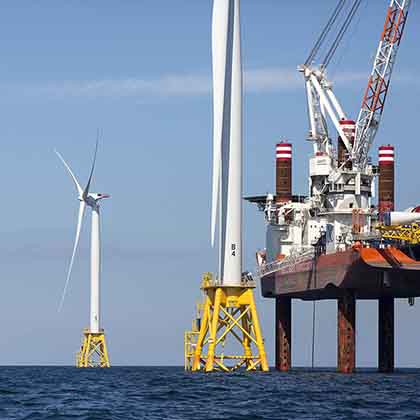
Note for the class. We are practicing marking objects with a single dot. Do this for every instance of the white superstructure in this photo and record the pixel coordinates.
(338, 210)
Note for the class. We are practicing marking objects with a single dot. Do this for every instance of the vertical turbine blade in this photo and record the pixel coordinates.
(227, 164)
(86, 191)
(76, 242)
(78, 187)
(219, 54)
(232, 160)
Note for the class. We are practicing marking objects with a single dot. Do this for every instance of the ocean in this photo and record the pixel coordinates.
(170, 393)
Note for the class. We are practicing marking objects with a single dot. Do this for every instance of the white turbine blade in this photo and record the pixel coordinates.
(76, 242)
(78, 187)
(219, 53)
(231, 214)
(86, 191)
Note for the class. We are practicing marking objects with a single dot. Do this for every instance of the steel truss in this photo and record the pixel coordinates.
(374, 99)
(93, 352)
(229, 318)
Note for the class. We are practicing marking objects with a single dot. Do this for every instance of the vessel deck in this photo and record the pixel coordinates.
(368, 273)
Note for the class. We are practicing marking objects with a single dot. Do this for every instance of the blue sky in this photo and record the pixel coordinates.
(140, 71)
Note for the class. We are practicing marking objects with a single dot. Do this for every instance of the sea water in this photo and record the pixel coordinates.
(170, 393)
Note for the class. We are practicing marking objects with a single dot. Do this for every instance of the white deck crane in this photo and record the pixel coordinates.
(319, 90)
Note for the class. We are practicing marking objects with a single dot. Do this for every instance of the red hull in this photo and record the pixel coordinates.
(369, 273)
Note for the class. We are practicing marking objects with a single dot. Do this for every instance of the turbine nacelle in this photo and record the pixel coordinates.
(99, 196)
(92, 199)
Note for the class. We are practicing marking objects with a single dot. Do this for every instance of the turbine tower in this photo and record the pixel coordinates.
(229, 319)
(93, 352)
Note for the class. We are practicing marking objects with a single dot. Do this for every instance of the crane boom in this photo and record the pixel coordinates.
(374, 99)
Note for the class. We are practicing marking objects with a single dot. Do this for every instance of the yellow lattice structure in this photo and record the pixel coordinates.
(190, 338)
(93, 352)
(228, 319)
(408, 233)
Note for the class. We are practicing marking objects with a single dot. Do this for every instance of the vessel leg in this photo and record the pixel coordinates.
(346, 334)
(386, 334)
(283, 333)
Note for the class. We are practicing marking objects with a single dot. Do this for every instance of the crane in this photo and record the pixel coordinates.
(322, 101)
(319, 90)
(378, 84)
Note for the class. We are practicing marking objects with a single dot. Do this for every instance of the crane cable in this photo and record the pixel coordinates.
(341, 32)
(347, 43)
(325, 31)
(313, 332)
(315, 275)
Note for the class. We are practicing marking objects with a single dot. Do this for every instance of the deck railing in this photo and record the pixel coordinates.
(300, 255)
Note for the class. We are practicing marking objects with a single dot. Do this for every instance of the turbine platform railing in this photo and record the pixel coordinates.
(209, 281)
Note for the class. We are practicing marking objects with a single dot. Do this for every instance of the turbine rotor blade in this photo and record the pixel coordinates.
(86, 191)
(219, 54)
(78, 187)
(76, 242)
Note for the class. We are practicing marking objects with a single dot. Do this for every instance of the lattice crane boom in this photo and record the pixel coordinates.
(374, 99)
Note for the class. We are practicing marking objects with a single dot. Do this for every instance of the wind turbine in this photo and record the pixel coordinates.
(93, 352)
(229, 309)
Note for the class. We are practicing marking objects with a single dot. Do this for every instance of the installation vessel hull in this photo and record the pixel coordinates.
(370, 273)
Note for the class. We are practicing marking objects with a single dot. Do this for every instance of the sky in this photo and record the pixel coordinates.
(141, 72)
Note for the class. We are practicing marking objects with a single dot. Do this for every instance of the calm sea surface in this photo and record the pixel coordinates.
(169, 393)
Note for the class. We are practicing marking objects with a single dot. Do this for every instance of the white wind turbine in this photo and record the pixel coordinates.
(229, 309)
(91, 200)
(227, 139)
